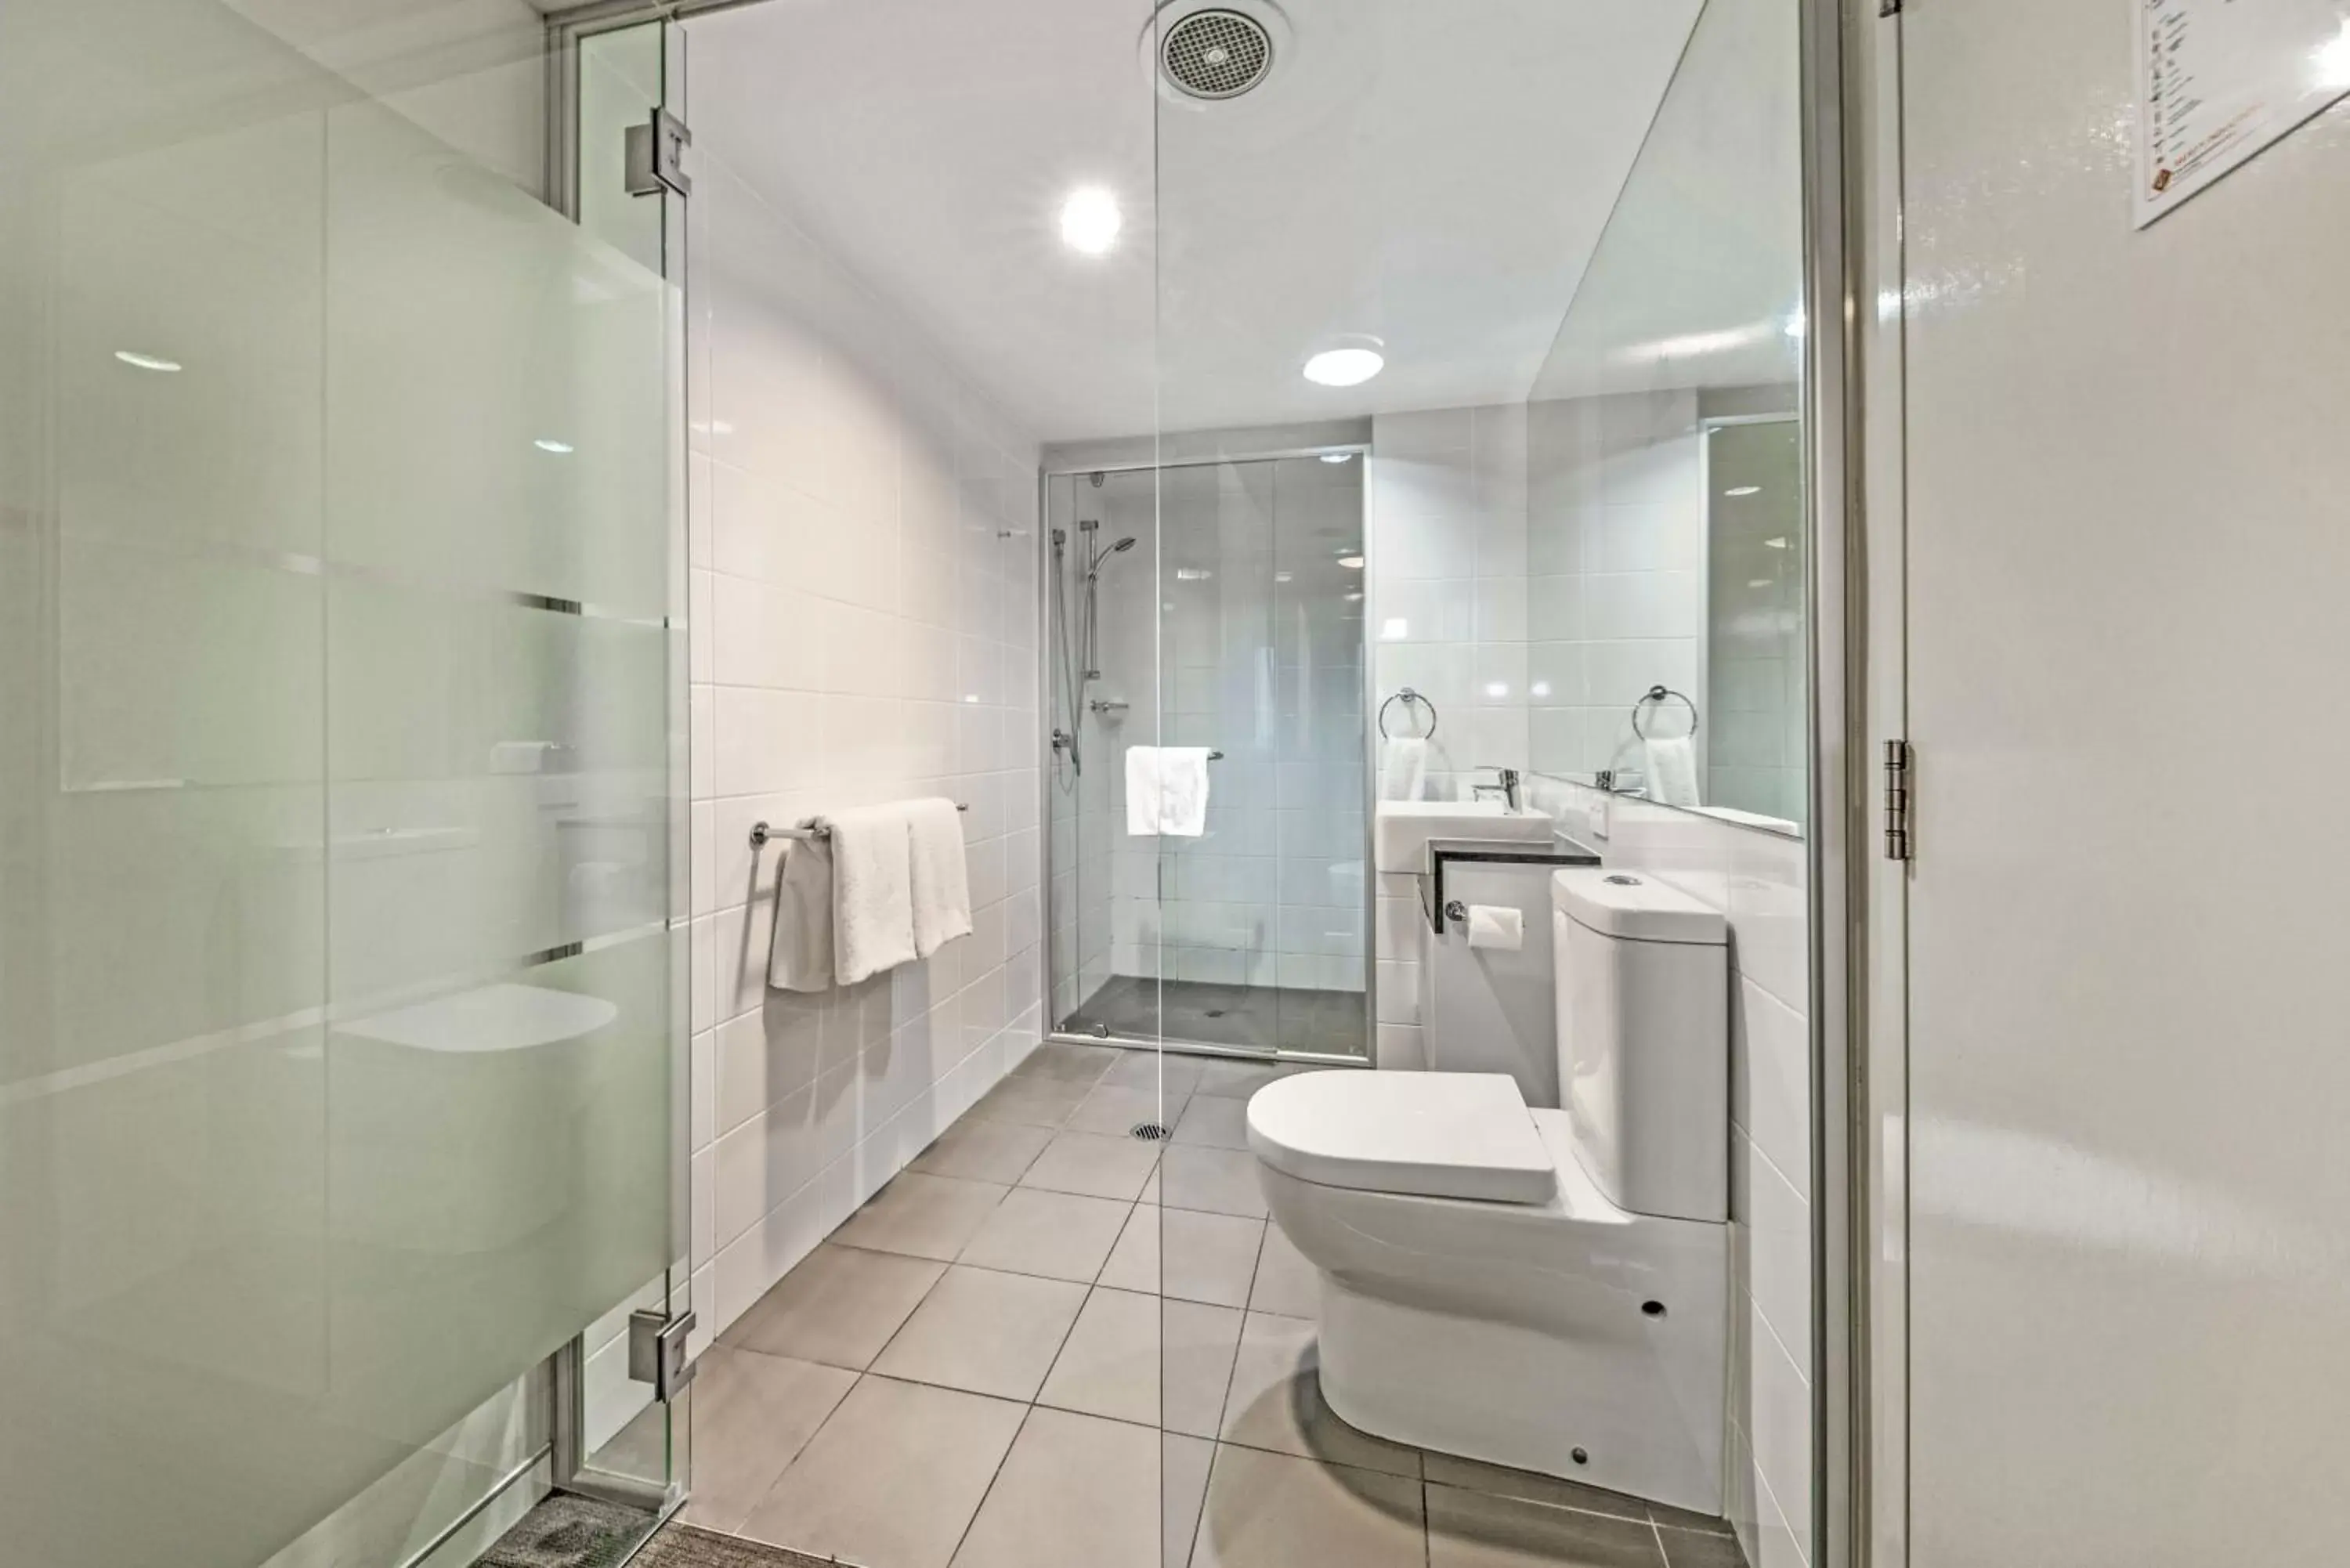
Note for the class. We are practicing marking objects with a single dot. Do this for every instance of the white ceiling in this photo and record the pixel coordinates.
(1434, 173)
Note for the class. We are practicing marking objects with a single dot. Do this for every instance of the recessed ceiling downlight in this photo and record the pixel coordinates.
(1090, 220)
(1344, 366)
(1215, 53)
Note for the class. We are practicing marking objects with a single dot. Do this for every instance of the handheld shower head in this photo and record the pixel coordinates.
(1122, 545)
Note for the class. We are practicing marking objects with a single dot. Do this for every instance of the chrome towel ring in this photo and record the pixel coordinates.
(1658, 694)
(1407, 696)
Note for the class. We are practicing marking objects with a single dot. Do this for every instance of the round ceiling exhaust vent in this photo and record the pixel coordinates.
(1215, 54)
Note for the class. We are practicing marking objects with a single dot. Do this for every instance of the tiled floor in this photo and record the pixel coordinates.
(1258, 1017)
(1014, 1357)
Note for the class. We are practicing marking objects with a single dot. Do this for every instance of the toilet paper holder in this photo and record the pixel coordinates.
(1456, 910)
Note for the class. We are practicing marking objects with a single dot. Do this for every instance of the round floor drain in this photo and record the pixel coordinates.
(1149, 1132)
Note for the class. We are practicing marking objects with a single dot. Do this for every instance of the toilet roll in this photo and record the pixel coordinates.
(1497, 926)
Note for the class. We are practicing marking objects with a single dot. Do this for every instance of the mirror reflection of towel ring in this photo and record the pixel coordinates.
(1658, 694)
(1407, 696)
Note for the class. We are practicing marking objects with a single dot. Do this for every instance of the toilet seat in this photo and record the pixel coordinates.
(1430, 1134)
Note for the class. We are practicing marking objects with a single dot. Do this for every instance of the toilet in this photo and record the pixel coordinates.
(1538, 1286)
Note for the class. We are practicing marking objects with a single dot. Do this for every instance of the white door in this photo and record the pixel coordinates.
(2128, 562)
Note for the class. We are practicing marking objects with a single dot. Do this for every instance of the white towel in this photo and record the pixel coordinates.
(799, 954)
(872, 891)
(942, 880)
(1142, 799)
(1673, 770)
(1184, 791)
(1403, 767)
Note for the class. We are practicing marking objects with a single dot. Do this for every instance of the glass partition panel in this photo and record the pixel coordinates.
(335, 1003)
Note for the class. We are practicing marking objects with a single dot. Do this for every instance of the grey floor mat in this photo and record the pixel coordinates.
(682, 1546)
(566, 1530)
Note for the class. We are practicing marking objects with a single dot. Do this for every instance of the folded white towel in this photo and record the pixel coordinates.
(872, 891)
(1403, 767)
(942, 878)
(799, 954)
(1142, 800)
(1184, 791)
(1673, 770)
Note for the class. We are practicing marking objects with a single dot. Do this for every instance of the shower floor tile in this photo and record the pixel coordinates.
(1246, 1017)
(1028, 1376)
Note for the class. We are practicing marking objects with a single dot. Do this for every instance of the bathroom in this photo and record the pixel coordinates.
(1084, 785)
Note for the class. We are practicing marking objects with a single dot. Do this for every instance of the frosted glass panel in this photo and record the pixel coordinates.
(336, 678)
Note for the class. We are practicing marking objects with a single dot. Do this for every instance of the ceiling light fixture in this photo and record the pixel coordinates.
(559, 448)
(145, 361)
(1090, 220)
(1344, 367)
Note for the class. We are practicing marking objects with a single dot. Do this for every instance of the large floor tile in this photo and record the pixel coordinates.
(922, 1216)
(1183, 1487)
(978, 1149)
(893, 1479)
(1057, 1234)
(1092, 1166)
(1215, 1121)
(753, 1414)
(1188, 1254)
(1176, 1077)
(1109, 1365)
(1060, 1060)
(1276, 1402)
(1529, 1486)
(1116, 1112)
(1218, 1180)
(840, 1306)
(1043, 1102)
(1285, 1283)
(1274, 1510)
(1239, 1080)
(984, 1332)
(1700, 1549)
(1475, 1530)
(1134, 1358)
(1076, 1492)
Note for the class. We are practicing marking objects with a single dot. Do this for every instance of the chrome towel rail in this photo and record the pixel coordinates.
(1658, 694)
(1407, 696)
(760, 831)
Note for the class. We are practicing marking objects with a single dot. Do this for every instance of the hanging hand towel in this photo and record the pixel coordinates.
(872, 891)
(942, 878)
(799, 954)
(1184, 791)
(1403, 765)
(1673, 770)
(1142, 803)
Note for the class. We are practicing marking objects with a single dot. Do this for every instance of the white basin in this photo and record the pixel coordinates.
(1403, 827)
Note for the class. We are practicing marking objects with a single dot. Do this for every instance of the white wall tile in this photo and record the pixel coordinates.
(858, 632)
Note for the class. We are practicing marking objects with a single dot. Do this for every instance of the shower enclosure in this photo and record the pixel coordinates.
(1215, 603)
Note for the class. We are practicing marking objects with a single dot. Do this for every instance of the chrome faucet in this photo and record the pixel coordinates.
(1507, 789)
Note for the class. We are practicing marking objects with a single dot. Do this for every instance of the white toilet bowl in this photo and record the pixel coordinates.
(1536, 1326)
(1537, 1287)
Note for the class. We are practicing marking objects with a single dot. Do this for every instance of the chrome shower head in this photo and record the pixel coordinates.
(1122, 545)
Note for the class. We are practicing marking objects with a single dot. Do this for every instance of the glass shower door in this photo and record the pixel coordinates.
(337, 1019)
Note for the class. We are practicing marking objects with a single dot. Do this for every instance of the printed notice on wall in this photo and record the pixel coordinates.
(2220, 80)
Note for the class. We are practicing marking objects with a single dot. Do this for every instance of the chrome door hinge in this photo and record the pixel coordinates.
(654, 159)
(657, 1351)
(1898, 760)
